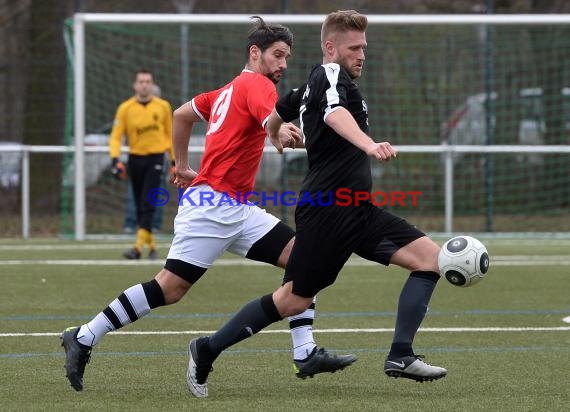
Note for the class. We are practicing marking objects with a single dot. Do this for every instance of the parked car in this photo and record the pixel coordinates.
(96, 163)
(468, 126)
(273, 168)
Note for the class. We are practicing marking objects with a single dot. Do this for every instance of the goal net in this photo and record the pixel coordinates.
(441, 81)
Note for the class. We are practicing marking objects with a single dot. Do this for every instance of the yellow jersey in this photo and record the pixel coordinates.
(147, 126)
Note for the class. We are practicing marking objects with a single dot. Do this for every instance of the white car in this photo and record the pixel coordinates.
(274, 170)
(468, 125)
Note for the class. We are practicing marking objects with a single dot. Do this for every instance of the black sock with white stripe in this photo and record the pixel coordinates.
(131, 305)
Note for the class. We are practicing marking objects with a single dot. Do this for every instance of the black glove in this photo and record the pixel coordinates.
(118, 169)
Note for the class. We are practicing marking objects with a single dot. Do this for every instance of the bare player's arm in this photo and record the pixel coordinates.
(283, 134)
(343, 123)
(182, 124)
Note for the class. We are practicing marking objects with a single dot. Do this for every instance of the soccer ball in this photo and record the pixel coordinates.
(463, 261)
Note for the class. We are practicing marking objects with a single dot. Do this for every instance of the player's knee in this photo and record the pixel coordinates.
(429, 262)
(285, 253)
(294, 306)
(173, 287)
(174, 294)
(424, 264)
(300, 306)
(419, 255)
(289, 304)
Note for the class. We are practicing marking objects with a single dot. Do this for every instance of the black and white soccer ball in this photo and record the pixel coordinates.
(463, 261)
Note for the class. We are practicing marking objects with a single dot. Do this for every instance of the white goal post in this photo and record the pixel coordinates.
(82, 19)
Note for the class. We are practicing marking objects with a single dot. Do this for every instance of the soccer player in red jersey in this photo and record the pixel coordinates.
(211, 219)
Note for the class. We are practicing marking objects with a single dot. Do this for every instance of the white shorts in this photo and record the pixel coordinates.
(204, 230)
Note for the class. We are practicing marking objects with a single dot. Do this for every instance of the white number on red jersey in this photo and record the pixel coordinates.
(220, 110)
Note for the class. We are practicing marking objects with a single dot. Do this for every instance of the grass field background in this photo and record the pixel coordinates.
(503, 341)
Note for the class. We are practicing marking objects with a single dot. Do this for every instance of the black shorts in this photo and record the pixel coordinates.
(327, 236)
(268, 249)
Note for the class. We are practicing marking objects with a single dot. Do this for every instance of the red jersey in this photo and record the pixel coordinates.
(235, 137)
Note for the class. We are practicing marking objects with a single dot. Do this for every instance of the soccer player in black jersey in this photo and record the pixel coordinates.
(334, 120)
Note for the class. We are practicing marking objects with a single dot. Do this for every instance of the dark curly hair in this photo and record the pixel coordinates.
(263, 35)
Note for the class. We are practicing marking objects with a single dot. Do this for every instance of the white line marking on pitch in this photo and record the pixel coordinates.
(119, 241)
(496, 261)
(101, 246)
(378, 330)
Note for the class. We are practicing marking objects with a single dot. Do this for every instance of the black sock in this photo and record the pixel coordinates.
(412, 307)
(256, 315)
(154, 294)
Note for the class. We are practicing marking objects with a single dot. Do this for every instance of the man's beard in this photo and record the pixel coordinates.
(271, 76)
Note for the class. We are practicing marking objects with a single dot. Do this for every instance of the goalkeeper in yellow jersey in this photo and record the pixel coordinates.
(146, 121)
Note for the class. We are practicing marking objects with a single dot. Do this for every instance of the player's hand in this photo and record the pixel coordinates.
(118, 169)
(292, 135)
(289, 136)
(383, 152)
(183, 178)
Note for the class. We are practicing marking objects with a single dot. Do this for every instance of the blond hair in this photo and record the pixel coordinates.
(342, 21)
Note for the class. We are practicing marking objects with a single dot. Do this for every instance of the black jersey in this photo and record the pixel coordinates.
(334, 162)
